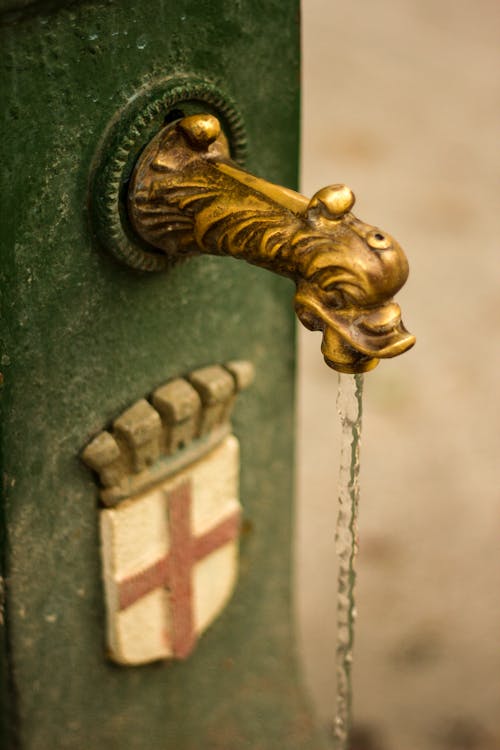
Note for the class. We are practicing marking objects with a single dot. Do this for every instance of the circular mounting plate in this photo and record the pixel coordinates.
(128, 133)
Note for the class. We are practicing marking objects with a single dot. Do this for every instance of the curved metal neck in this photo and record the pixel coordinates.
(187, 201)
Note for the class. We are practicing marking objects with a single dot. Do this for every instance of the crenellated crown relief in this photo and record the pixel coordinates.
(181, 421)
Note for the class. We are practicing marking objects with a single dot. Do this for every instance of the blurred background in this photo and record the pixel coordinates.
(401, 102)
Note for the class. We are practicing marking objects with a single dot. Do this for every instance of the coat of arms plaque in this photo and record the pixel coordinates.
(169, 527)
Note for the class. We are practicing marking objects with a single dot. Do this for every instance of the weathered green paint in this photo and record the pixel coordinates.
(83, 337)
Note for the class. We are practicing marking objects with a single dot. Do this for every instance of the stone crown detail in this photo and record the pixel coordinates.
(182, 420)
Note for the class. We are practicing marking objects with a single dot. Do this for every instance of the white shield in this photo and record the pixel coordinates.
(170, 559)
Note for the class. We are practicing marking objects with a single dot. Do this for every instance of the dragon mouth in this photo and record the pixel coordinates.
(355, 340)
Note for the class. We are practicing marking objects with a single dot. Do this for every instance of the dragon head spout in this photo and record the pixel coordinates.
(348, 272)
(186, 197)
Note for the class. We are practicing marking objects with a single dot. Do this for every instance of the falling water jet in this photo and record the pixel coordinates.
(349, 407)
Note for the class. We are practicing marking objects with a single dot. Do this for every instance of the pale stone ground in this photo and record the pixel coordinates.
(401, 102)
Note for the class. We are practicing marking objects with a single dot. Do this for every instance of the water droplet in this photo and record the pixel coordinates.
(141, 42)
(93, 37)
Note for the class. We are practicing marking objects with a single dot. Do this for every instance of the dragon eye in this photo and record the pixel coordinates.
(378, 240)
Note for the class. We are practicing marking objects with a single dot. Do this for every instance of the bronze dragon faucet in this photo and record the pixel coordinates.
(187, 197)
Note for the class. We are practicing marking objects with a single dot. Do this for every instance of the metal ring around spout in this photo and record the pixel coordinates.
(129, 132)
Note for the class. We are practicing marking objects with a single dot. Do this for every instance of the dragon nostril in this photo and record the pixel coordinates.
(378, 240)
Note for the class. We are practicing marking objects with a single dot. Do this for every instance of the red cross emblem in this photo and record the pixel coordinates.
(174, 570)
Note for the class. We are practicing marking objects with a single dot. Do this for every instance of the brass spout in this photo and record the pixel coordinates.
(186, 197)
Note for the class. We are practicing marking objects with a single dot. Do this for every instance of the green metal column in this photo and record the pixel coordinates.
(83, 337)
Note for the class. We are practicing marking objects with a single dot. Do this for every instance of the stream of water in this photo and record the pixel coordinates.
(349, 406)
